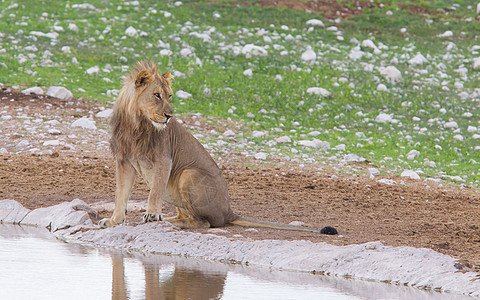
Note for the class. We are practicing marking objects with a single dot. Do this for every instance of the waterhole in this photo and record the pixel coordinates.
(36, 265)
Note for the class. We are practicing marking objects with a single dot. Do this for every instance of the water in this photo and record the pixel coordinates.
(35, 265)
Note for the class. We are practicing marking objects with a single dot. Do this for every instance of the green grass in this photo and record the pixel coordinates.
(286, 102)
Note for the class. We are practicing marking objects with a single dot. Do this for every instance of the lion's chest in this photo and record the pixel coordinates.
(144, 167)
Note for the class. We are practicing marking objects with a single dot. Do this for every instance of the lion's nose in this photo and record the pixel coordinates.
(167, 116)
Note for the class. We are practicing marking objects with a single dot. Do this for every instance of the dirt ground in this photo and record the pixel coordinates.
(444, 218)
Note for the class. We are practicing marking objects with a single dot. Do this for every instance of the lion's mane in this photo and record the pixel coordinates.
(132, 133)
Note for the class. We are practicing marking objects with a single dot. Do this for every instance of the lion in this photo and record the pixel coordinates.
(148, 140)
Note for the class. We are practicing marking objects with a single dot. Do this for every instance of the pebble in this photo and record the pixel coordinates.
(315, 22)
(183, 95)
(59, 92)
(318, 91)
(410, 174)
(105, 113)
(283, 139)
(84, 123)
(392, 74)
(257, 134)
(33, 90)
(261, 156)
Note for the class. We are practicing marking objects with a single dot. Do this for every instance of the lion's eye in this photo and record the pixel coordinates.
(169, 96)
(157, 95)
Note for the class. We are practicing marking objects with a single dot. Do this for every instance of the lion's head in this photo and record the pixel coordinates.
(142, 108)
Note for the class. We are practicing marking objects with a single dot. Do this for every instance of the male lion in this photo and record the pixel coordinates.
(147, 139)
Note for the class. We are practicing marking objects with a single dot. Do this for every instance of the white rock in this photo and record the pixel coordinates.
(418, 59)
(84, 6)
(63, 215)
(258, 134)
(472, 129)
(93, 70)
(283, 139)
(261, 156)
(387, 181)
(54, 131)
(392, 74)
(476, 63)
(207, 92)
(372, 172)
(12, 212)
(229, 133)
(84, 123)
(315, 22)
(412, 154)
(309, 56)
(478, 8)
(73, 27)
(51, 143)
(104, 113)
(384, 118)
(183, 95)
(314, 133)
(297, 223)
(318, 91)
(353, 158)
(59, 92)
(186, 52)
(166, 52)
(248, 72)
(410, 174)
(130, 31)
(447, 33)
(451, 124)
(340, 147)
(356, 53)
(370, 44)
(429, 163)
(251, 49)
(33, 90)
(22, 144)
(476, 136)
(458, 137)
(381, 87)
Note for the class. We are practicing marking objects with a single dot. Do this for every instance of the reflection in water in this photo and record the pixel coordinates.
(183, 283)
(52, 269)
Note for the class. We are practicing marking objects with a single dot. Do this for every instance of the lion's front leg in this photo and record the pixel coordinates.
(125, 177)
(161, 174)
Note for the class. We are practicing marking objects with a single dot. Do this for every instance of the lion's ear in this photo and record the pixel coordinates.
(168, 76)
(143, 78)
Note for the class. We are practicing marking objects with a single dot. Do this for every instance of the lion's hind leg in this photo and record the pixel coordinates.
(189, 223)
(180, 215)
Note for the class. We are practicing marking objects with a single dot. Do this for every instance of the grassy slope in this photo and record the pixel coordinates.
(336, 117)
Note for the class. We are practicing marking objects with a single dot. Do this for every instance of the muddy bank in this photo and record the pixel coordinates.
(420, 268)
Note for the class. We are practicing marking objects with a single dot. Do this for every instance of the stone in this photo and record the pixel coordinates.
(12, 212)
(33, 90)
(261, 156)
(315, 22)
(61, 216)
(105, 113)
(59, 92)
(392, 74)
(410, 174)
(84, 123)
(318, 91)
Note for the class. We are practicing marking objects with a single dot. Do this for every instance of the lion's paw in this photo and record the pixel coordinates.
(108, 222)
(152, 217)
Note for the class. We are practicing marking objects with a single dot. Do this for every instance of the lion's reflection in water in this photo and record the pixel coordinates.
(183, 283)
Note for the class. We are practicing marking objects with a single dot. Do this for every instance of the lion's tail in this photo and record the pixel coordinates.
(245, 222)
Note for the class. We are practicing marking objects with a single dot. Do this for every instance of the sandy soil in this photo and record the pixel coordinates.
(440, 217)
